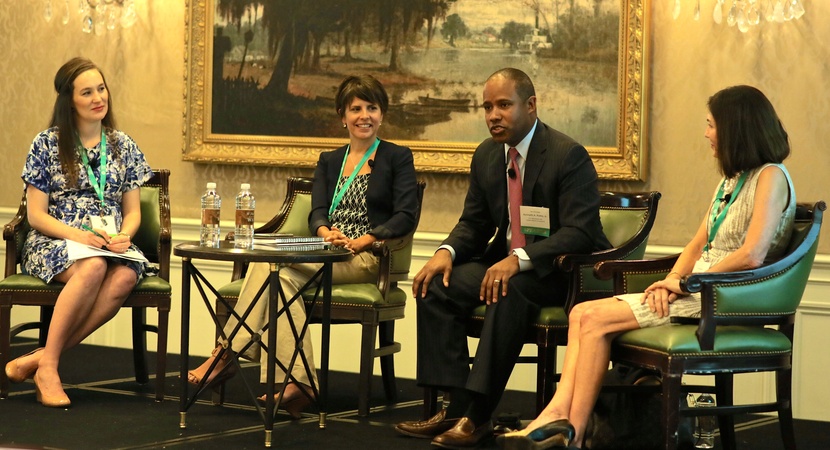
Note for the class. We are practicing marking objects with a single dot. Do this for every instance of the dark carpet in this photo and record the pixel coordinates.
(111, 411)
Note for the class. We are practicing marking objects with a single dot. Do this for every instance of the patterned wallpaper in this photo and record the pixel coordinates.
(144, 66)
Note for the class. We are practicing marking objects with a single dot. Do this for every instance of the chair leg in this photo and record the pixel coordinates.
(670, 417)
(5, 347)
(45, 320)
(140, 345)
(545, 372)
(724, 389)
(161, 350)
(367, 361)
(783, 386)
(387, 362)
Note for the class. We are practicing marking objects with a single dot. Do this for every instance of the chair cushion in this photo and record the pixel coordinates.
(680, 340)
(152, 284)
(231, 289)
(20, 282)
(361, 295)
(549, 316)
(358, 294)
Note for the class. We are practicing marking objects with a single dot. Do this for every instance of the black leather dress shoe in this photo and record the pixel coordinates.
(426, 429)
(465, 434)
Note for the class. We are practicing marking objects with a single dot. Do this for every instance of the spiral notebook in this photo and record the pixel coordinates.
(290, 243)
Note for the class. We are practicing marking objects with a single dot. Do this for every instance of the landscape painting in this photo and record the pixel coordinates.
(262, 75)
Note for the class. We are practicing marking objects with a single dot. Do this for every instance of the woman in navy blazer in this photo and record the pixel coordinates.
(363, 192)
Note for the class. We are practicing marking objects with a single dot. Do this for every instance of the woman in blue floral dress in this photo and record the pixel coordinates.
(82, 178)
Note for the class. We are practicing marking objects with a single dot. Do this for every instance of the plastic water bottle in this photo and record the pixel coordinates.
(245, 204)
(211, 205)
(705, 430)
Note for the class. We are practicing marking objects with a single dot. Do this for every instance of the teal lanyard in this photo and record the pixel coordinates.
(339, 193)
(99, 184)
(718, 216)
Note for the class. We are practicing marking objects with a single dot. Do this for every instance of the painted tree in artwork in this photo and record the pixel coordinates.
(454, 27)
(297, 29)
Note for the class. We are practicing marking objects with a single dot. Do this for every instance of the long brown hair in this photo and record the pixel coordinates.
(63, 115)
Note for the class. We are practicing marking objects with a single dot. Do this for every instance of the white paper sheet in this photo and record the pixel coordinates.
(77, 251)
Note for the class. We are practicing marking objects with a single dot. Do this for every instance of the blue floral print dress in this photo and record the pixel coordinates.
(44, 256)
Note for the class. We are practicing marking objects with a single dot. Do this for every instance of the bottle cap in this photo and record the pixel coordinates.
(245, 186)
(211, 185)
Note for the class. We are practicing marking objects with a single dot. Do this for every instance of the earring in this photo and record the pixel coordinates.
(380, 123)
(344, 125)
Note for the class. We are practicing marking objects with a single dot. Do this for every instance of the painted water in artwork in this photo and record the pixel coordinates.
(277, 64)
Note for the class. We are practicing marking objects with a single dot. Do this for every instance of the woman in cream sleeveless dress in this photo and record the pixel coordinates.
(749, 221)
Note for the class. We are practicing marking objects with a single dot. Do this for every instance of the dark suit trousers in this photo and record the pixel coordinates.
(443, 357)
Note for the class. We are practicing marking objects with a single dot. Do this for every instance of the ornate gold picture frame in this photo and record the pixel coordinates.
(627, 160)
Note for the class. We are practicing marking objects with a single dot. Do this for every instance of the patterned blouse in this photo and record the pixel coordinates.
(351, 216)
(44, 256)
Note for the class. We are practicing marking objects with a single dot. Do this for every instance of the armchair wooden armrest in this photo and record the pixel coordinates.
(384, 250)
(634, 275)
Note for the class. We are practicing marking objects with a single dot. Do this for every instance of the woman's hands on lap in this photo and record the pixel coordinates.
(337, 238)
(333, 235)
(119, 243)
(661, 294)
(360, 244)
(91, 239)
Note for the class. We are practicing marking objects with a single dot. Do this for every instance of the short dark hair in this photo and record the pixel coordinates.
(63, 113)
(364, 87)
(749, 132)
(524, 87)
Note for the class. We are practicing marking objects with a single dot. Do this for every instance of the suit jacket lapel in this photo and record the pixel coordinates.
(533, 167)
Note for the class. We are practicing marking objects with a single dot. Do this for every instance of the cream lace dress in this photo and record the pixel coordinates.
(730, 237)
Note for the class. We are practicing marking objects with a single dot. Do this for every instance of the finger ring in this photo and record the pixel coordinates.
(496, 281)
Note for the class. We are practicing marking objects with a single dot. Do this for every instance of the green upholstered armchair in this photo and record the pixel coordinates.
(375, 306)
(746, 325)
(153, 238)
(627, 219)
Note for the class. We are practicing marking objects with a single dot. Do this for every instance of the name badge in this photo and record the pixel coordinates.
(106, 223)
(535, 220)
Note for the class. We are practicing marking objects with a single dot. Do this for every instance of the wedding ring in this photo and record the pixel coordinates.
(496, 281)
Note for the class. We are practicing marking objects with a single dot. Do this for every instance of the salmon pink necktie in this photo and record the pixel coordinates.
(514, 194)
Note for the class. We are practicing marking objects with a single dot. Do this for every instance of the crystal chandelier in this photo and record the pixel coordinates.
(747, 13)
(95, 16)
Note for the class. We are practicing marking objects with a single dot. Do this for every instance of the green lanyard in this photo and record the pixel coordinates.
(717, 217)
(98, 184)
(339, 193)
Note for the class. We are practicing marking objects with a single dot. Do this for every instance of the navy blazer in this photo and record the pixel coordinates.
(559, 175)
(391, 198)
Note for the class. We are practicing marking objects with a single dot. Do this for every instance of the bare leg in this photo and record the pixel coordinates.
(592, 327)
(78, 306)
(116, 287)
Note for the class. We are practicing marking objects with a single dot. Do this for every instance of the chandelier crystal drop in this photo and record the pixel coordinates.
(745, 14)
(93, 16)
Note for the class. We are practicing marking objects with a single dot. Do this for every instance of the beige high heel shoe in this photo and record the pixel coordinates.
(294, 402)
(218, 375)
(13, 371)
(53, 401)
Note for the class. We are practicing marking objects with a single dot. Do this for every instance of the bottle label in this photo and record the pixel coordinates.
(210, 216)
(244, 217)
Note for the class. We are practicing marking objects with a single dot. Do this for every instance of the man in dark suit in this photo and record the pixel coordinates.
(503, 255)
